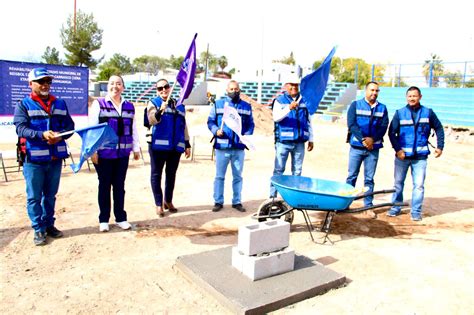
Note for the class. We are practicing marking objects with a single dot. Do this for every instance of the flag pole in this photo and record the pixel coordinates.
(172, 89)
(169, 95)
(192, 49)
(65, 133)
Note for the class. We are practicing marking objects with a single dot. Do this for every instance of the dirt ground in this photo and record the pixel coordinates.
(393, 265)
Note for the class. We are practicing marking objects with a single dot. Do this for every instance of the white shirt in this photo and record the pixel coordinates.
(93, 118)
(372, 105)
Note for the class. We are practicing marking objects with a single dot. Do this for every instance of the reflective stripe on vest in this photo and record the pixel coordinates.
(414, 136)
(121, 123)
(38, 150)
(295, 126)
(368, 119)
(230, 140)
(168, 134)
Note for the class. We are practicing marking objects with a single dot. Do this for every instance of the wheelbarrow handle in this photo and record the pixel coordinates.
(387, 204)
(269, 216)
(385, 191)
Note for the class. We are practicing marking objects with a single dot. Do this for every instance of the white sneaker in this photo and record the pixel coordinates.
(124, 225)
(103, 227)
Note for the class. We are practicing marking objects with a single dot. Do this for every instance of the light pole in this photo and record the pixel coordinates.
(74, 16)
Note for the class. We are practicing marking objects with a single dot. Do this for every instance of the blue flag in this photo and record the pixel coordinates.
(186, 73)
(314, 84)
(94, 138)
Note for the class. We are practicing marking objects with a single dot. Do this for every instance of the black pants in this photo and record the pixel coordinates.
(112, 173)
(158, 159)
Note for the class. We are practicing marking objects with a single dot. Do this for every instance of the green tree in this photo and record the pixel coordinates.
(150, 64)
(51, 56)
(81, 42)
(176, 62)
(222, 62)
(118, 64)
(470, 83)
(105, 74)
(336, 65)
(290, 60)
(344, 70)
(211, 62)
(453, 79)
(435, 65)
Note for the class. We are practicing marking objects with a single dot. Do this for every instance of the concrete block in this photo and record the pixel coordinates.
(263, 237)
(267, 265)
(260, 267)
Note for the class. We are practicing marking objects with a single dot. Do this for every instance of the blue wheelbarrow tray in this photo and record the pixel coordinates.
(312, 193)
(305, 193)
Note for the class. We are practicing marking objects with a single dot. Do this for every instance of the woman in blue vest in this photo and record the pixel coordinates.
(169, 140)
(38, 119)
(112, 164)
(409, 132)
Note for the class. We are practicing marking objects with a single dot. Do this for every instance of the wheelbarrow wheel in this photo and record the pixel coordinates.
(274, 209)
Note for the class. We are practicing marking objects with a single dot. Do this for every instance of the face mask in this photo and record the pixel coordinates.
(235, 96)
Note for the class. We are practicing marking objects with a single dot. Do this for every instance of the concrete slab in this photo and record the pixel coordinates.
(213, 271)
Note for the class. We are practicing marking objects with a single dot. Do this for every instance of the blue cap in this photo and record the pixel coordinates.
(39, 73)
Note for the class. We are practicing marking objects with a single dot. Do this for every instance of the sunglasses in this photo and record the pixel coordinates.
(164, 87)
(44, 81)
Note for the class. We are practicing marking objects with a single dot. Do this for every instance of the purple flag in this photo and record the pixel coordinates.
(313, 86)
(186, 73)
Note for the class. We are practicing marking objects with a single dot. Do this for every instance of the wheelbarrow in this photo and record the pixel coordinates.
(312, 194)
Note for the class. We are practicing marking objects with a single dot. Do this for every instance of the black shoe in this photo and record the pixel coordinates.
(54, 232)
(40, 238)
(217, 207)
(239, 207)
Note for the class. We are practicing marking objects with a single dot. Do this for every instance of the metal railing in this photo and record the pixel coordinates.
(433, 73)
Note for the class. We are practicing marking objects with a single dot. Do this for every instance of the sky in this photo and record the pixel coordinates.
(250, 33)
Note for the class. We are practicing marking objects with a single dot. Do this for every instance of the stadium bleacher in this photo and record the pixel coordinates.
(453, 106)
(138, 91)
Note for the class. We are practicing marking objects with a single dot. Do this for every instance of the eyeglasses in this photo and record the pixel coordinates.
(164, 87)
(43, 81)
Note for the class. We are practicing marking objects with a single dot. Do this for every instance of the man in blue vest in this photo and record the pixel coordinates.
(39, 118)
(367, 121)
(292, 130)
(409, 132)
(229, 147)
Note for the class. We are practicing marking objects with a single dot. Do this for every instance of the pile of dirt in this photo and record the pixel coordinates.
(458, 135)
(262, 115)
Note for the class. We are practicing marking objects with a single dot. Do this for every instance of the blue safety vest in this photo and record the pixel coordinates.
(368, 121)
(121, 124)
(414, 133)
(168, 134)
(294, 127)
(230, 139)
(38, 150)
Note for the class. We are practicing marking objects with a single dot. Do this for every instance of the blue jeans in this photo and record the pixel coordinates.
(282, 151)
(370, 159)
(236, 159)
(42, 184)
(418, 174)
